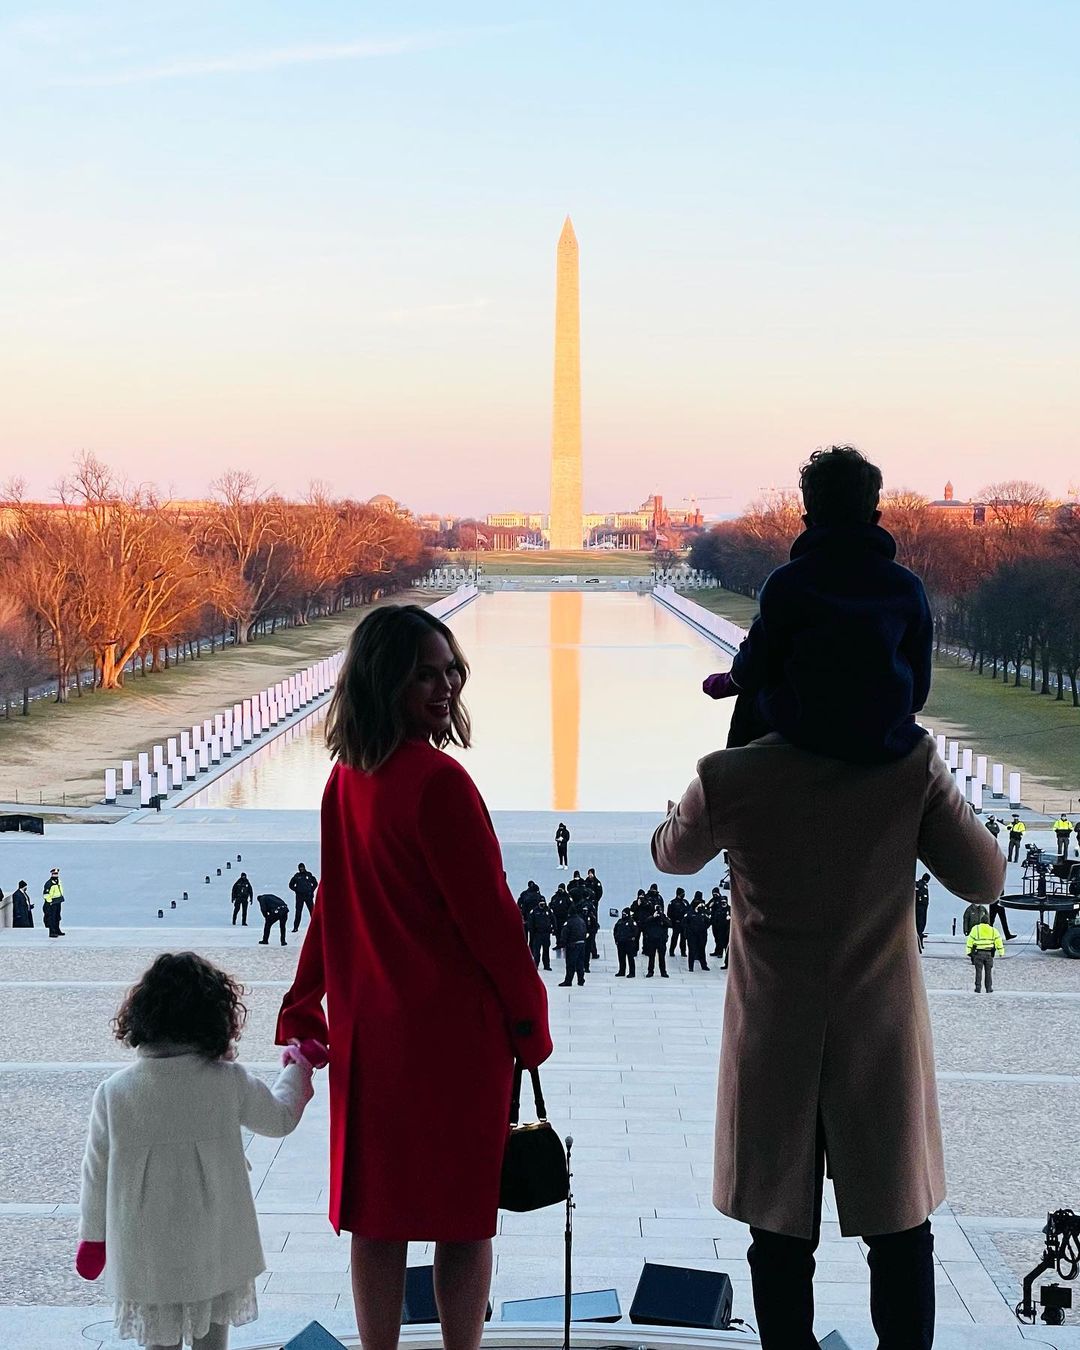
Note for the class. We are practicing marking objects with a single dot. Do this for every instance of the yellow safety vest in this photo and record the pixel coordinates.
(1017, 827)
(1063, 824)
(983, 938)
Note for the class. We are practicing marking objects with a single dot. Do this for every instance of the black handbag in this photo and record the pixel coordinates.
(534, 1170)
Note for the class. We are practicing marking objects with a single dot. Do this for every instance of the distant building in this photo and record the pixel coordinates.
(970, 513)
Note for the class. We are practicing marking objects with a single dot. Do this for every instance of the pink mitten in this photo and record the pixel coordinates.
(90, 1259)
(315, 1053)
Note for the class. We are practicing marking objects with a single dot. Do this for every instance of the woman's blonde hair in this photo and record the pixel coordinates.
(366, 721)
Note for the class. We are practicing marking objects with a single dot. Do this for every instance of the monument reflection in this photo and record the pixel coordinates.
(580, 701)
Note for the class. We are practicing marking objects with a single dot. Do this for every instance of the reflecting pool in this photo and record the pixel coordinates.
(579, 702)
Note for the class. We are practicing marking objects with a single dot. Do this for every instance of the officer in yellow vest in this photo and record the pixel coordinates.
(1063, 835)
(52, 898)
(983, 944)
(1017, 829)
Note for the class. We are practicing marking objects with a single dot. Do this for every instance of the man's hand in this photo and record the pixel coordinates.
(90, 1259)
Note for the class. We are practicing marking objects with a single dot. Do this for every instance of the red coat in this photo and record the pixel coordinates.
(417, 945)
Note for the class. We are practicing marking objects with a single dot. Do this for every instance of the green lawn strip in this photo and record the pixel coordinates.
(548, 563)
(1030, 732)
(739, 609)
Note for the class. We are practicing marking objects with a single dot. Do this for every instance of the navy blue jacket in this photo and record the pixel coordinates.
(840, 656)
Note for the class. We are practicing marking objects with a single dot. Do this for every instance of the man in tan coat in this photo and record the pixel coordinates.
(827, 1049)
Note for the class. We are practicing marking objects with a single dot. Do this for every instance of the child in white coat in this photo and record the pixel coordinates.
(165, 1189)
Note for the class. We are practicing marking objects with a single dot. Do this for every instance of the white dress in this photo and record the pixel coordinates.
(182, 1323)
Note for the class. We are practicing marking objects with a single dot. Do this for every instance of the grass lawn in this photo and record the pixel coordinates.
(1030, 732)
(60, 751)
(738, 608)
(552, 562)
(1022, 730)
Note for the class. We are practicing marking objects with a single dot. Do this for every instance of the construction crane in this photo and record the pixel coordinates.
(693, 500)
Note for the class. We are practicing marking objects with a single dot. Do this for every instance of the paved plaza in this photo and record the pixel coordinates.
(633, 1079)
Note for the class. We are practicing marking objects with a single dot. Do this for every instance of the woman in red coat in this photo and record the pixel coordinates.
(417, 946)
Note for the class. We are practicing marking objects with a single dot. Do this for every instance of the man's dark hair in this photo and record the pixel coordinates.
(840, 487)
(183, 1000)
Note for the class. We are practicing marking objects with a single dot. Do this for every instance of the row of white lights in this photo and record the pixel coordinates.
(166, 768)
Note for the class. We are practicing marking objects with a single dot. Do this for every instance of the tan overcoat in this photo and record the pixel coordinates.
(826, 1008)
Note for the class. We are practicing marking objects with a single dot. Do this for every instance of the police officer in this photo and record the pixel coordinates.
(993, 825)
(592, 925)
(595, 886)
(241, 897)
(640, 907)
(975, 913)
(529, 898)
(560, 912)
(983, 944)
(626, 934)
(22, 907)
(654, 931)
(922, 904)
(1063, 834)
(539, 928)
(576, 888)
(274, 910)
(696, 926)
(303, 885)
(676, 911)
(1017, 829)
(575, 933)
(52, 900)
(562, 843)
(720, 918)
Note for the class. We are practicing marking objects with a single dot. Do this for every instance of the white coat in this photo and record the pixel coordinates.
(165, 1181)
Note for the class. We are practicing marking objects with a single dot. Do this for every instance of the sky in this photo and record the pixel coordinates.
(317, 242)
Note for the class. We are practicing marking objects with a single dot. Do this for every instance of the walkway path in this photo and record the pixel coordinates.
(633, 1080)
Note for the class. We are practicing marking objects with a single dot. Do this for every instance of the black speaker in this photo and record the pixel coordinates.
(419, 1306)
(675, 1296)
(834, 1341)
(313, 1337)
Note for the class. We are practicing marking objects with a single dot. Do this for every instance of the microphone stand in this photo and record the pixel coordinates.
(569, 1246)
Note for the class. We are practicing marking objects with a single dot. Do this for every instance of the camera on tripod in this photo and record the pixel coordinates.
(1062, 1255)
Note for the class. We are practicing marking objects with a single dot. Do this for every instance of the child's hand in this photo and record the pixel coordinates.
(719, 686)
(90, 1259)
(316, 1054)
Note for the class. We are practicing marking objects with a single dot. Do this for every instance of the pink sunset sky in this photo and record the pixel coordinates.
(323, 246)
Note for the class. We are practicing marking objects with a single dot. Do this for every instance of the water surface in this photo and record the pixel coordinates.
(579, 702)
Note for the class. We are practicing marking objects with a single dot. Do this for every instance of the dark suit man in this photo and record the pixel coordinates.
(696, 926)
(626, 943)
(654, 931)
(562, 843)
(677, 911)
(575, 933)
(303, 885)
(241, 897)
(539, 926)
(922, 905)
(22, 908)
(274, 911)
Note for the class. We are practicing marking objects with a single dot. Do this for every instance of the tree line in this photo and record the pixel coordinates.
(1004, 587)
(111, 578)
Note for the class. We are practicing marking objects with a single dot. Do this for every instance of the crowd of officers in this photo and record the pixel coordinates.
(645, 928)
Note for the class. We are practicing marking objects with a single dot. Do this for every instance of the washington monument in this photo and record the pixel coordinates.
(565, 523)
